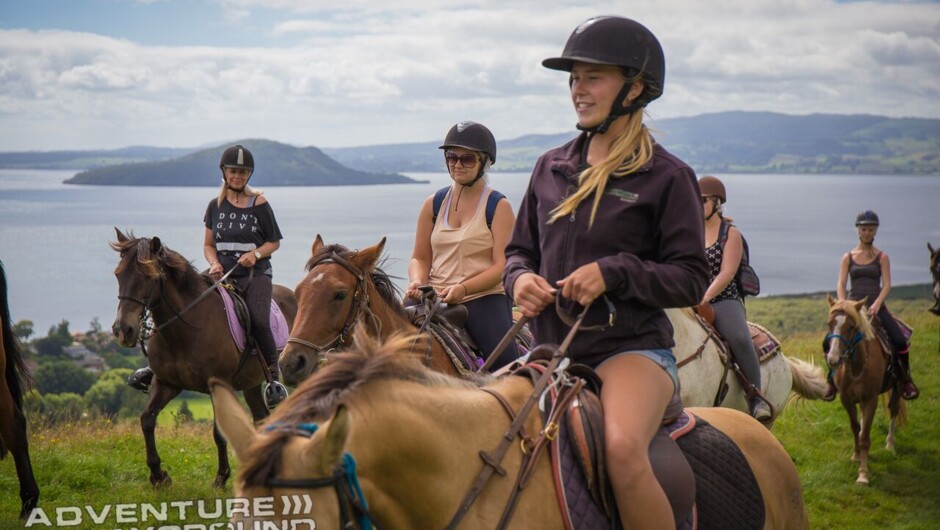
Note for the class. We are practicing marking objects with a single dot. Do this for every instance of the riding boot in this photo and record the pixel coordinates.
(759, 409)
(909, 390)
(141, 379)
(274, 392)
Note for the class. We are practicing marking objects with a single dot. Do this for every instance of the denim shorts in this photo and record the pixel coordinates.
(661, 356)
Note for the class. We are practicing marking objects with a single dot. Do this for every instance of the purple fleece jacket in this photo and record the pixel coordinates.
(647, 238)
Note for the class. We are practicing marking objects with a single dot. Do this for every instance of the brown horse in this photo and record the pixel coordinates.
(192, 346)
(342, 289)
(398, 444)
(861, 363)
(935, 275)
(12, 420)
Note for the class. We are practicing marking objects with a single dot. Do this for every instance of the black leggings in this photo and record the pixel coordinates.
(258, 298)
(489, 318)
(893, 329)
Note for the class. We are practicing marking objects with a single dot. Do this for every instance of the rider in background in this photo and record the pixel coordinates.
(870, 271)
(455, 252)
(612, 214)
(241, 233)
(723, 293)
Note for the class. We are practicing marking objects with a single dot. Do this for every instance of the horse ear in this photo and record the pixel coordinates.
(860, 304)
(123, 238)
(368, 258)
(930, 247)
(155, 245)
(317, 245)
(231, 418)
(328, 453)
(830, 300)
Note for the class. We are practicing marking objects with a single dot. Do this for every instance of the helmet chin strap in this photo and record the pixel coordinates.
(469, 184)
(616, 110)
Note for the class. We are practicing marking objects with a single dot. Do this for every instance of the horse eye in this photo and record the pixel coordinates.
(340, 296)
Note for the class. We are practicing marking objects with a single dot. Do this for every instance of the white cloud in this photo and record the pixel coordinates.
(370, 73)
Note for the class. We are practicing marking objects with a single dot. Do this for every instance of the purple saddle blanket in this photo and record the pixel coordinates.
(278, 323)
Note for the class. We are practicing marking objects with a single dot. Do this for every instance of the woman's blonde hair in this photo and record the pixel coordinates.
(630, 151)
(223, 190)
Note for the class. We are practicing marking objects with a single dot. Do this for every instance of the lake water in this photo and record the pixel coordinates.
(54, 237)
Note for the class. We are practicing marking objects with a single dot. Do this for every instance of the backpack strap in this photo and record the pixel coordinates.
(723, 230)
(438, 202)
(491, 202)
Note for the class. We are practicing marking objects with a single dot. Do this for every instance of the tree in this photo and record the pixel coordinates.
(57, 377)
(23, 329)
(58, 338)
(111, 396)
(63, 407)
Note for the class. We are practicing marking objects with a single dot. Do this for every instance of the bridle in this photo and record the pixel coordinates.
(850, 344)
(353, 508)
(359, 305)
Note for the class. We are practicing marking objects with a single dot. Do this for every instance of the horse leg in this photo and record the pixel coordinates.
(852, 411)
(894, 407)
(869, 408)
(255, 400)
(160, 395)
(13, 434)
(224, 471)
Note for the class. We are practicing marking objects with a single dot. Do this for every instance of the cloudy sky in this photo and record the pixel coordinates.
(183, 73)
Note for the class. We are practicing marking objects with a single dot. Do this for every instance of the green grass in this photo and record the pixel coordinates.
(99, 463)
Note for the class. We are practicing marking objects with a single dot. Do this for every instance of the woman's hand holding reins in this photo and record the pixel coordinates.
(583, 285)
(453, 294)
(532, 294)
(215, 270)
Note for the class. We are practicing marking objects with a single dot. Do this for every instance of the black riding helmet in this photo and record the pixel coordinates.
(475, 137)
(617, 41)
(867, 217)
(237, 156)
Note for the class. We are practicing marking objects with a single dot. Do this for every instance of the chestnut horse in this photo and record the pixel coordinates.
(12, 420)
(396, 446)
(342, 289)
(192, 346)
(935, 275)
(861, 363)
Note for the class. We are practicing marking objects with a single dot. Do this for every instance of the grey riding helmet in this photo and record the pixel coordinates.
(473, 136)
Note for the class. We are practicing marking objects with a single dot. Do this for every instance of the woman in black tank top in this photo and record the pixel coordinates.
(869, 270)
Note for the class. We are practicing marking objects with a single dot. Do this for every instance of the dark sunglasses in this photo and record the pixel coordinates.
(466, 160)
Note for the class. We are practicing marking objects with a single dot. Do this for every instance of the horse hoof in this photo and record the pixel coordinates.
(862, 481)
(162, 482)
(219, 482)
(28, 506)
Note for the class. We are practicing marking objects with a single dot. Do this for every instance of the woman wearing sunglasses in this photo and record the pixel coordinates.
(461, 238)
(612, 213)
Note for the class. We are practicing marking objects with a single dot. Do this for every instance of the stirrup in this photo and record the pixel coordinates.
(760, 411)
(141, 379)
(274, 394)
(909, 390)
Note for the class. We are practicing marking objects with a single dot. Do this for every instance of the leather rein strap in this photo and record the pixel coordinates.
(492, 460)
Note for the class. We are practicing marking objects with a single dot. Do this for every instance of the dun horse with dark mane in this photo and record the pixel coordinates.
(861, 374)
(190, 345)
(375, 438)
(12, 420)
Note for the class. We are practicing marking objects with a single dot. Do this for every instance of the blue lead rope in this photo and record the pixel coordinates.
(352, 480)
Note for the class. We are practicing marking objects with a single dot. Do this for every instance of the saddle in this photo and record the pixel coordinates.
(703, 473)
(236, 312)
(894, 371)
(447, 326)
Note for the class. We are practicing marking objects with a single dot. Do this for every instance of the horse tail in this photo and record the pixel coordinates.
(16, 374)
(895, 393)
(808, 380)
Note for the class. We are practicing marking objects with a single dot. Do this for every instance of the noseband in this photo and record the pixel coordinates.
(353, 508)
(359, 305)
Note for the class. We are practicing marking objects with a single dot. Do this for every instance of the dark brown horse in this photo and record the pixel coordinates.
(192, 347)
(342, 289)
(935, 274)
(860, 363)
(12, 420)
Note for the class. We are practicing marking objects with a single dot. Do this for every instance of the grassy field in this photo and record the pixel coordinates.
(98, 463)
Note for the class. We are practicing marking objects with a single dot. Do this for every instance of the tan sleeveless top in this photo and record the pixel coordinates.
(458, 254)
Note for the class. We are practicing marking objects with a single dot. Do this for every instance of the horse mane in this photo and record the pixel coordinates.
(861, 319)
(387, 290)
(16, 373)
(318, 397)
(155, 267)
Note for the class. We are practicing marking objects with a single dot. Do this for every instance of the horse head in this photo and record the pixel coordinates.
(332, 299)
(935, 274)
(139, 275)
(303, 448)
(849, 326)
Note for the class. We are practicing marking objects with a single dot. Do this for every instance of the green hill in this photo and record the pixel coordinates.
(725, 142)
(276, 164)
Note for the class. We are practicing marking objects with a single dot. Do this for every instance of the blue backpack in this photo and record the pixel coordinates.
(491, 203)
